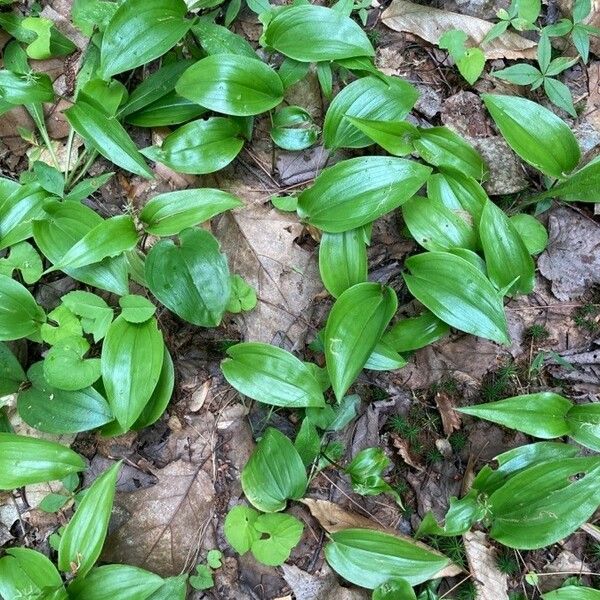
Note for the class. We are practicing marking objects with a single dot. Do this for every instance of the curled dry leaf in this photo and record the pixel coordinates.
(450, 418)
(491, 584)
(405, 453)
(431, 23)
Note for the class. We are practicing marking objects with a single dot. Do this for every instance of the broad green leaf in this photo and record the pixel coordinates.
(192, 278)
(394, 589)
(216, 39)
(131, 362)
(96, 315)
(87, 187)
(239, 528)
(357, 191)
(311, 33)
(279, 535)
(584, 425)
(107, 136)
(308, 442)
(384, 358)
(106, 96)
(581, 186)
(271, 375)
(550, 146)
(415, 332)
(23, 257)
(111, 237)
(395, 137)
(61, 324)
(173, 588)
(354, 327)
(58, 411)
(274, 473)
(140, 31)
(506, 255)
(292, 71)
(203, 579)
(541, 415)
(232, 84)
(115, 581)
(458, 294)
(20, 315)
(545, 503)
(66, 368)
(50, 42)
(353, 552)
(25, 460)
(51, 179)
(66, 224)
(471, 64)
(293, 129)
(373, 98)
(169, 110)
(335, 418)
(437, 227)
(136, 309)
(572, 592)
(532, 232)
(88, 15)
(27, 88)
(11, 372)
(53, 502)
(82, 540)
(171, 213)
(199, 147)
(342, 260)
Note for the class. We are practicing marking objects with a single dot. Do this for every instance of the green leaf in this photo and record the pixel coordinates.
(415, 332)
(384, 358)
(353, 552)
(131, 362)
(20, 315)
(213, 559)
(545, 503)
(170, 213)
(139, 32)
(342, 260)
(335, 418)
(11, 372)
(87, 187)
(558, 65)
(65, 225)
(107, 136)
(88, 15)
(550, 146)
(521, 74)
(436, 227)
(471, 64)
(199, 147)
(59, 411)
(239, 528)
(354, 327)
(173, 588)
(308, 442)
(365, 472)
(581, 40)
(394, 589)
(96, 315)
(373, 98)
(53, 502)
(243, 296)
(506, 255)
(216, 39)
(458, 294)
(454, 40)
(115, 581)
(171, 109)
(572, 592)
(25, 460)
(584, 425)
(395, 137)
(203, 579)
(16, 88)
(282, 533)
(191, 279)
(293, 129)
(559, 94)
(274, 473)
(311, 33)
(67, 325)
(49, 178)
(232, 84)
(342, 198)
(109, 238)
(65, 367)
(541, 415)
(24, 258)
(292, 71)
(581, 186)
(532, 232)
(50, 42)
(136, 309)
(271, 375)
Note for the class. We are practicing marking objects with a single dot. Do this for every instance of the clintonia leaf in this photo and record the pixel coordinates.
(274, 473)
(342, 260)
(271, 375)
(395, 137)
(381, 99)
(82, 540)
(25, 460)
(541, 415)
(293, 128)
(191, 279)
(394, 589)
(384, 358)
(549, 146)
(415, 332)
(458, 293)
(140, 31)
(311, 33)
(353, 552)
(584, 425)
(20, 315)
(572, 592)
(357, 191)
(545, 503)
(581, 186)
(532, 232)
(365, 473)
(506, 255)
(170, 109)
(308, 442)
(11, 372)
(232, 84)
(171, 213)
(354, 327)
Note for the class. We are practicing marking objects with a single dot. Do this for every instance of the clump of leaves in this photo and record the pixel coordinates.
(470, 61)
(203, 578)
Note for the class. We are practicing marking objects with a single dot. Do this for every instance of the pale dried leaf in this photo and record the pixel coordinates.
(322, 585)
(450, 418)
(431, 23)
(405, 453)
(491, 584)
(164, 527)
(591, 530)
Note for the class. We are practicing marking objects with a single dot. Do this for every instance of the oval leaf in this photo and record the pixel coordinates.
(415, 332)
(584, 424)
(20, 315)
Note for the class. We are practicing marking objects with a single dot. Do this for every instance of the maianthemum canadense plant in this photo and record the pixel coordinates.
(100, 361)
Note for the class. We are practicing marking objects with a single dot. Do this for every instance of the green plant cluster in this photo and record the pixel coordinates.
(103, 364)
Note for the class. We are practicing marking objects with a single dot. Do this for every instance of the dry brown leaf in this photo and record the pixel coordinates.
(491, 584)
(323, 585)
(450, 418)
(405, 453)
(591, 530)
(164, 526)
(333, 518)
(431, 23)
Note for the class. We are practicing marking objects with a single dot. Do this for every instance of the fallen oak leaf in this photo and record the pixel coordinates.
(431, 23)
(490, 583)
(403, 447)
